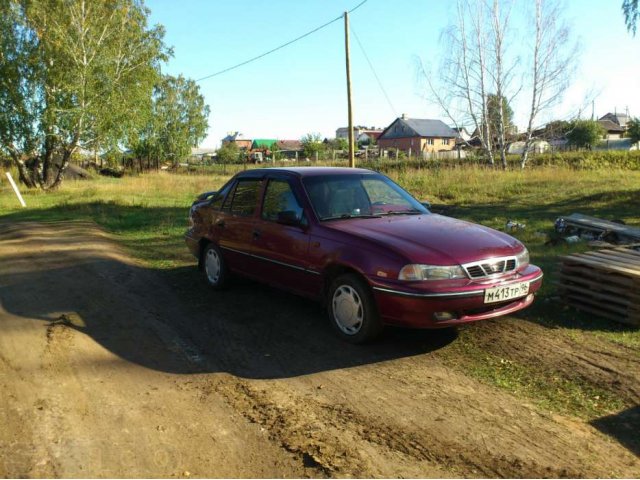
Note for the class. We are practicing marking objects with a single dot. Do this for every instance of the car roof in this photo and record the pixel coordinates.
(302, 171)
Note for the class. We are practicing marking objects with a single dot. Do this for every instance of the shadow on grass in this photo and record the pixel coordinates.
(607, 205)
(111, 215)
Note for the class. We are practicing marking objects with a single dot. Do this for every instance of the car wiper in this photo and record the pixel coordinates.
(413, 211)
(348, 215)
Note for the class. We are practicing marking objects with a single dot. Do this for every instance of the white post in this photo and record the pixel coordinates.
(15, 189)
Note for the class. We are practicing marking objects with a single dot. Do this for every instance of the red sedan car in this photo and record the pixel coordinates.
(358, 242)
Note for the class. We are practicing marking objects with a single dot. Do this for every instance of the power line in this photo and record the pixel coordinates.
(280, 46)
(373, 70)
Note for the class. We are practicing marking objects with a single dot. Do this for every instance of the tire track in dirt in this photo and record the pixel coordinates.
(20, 418)
(324, 435)
(345, 442)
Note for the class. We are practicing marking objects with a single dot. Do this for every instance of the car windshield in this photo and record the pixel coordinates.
(359, 196)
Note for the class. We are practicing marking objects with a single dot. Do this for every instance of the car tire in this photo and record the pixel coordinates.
(352, 309)
(214, 267)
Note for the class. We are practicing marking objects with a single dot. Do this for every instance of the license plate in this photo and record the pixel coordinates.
(508, 292)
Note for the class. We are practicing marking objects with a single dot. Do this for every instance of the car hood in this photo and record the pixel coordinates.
(431, 239)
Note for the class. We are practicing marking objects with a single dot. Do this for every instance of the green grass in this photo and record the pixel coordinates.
(148, 214)
(549, 389)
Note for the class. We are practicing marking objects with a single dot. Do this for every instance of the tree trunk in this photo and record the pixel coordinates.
(524, 158)
(525, 153)
(48, 159)
(66, 157)
(60, 175)
(23, 173)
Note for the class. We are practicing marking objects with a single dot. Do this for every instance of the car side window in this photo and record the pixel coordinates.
(242, 201)
(217, 201)
(279, 197)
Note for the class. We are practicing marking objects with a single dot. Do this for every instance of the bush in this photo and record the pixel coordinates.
(579, 160)
(589, 160)
(111, 172)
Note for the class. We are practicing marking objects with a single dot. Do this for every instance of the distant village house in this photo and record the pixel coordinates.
(417, 136)
(366, 133)
(291, 149)
(620, 119)
(239, 140)
(612, 131)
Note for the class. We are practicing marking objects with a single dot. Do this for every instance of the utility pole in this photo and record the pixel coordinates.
(352, 157)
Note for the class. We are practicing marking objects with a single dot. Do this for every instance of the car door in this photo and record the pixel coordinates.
(282, 248)
(234, 225)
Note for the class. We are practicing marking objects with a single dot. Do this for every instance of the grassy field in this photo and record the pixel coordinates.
(148, 214)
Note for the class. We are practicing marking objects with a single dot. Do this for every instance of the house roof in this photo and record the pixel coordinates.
(263, 142)
(610, 126)
(620, 118)
(235, 137)
(372, 133)
(202, 151)
(289, 145)
(417, 127)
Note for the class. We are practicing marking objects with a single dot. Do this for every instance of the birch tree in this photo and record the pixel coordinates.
(73, 73)
(631, 12)
(501, 70)
(477, 65)
(487, 57)
(178, 121)
(551, 65)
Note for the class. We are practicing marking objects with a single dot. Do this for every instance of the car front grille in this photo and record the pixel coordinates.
(490, 267)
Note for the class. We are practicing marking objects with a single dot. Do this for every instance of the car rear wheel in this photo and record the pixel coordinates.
(215, 268)
(352, 309)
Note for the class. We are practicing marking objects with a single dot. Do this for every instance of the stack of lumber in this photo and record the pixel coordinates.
(585, 223)
(604, 283)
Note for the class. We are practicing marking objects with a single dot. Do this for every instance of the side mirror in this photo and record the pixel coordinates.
(288, 217)
(426, 205)
(206, 195)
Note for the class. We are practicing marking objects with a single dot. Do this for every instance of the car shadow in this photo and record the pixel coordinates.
(287, 335)
(623, 426)
(248, 330)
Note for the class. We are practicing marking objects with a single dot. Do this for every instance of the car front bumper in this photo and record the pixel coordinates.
(417, 307)
(193, 244)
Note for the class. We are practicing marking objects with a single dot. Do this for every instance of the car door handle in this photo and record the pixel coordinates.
(256, 234)
(220, 222)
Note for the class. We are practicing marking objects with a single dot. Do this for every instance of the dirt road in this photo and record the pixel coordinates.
(110, 369)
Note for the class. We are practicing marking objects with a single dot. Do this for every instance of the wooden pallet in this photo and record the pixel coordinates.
(603, 282)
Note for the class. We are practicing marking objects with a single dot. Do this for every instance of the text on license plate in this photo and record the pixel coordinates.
(507, 292)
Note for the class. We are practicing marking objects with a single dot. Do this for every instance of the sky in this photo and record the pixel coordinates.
(301, 88)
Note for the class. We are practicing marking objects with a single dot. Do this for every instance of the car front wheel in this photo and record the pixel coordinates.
(215, 268)
(352, 309)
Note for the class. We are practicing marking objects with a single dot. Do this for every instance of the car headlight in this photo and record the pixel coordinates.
(431, 272)
(523, 258)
